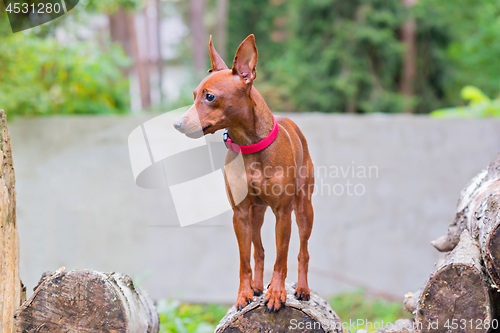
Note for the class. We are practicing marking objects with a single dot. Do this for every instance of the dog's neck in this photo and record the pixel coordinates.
(255, 121)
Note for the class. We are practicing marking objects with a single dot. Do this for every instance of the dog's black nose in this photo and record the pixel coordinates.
(178, 124)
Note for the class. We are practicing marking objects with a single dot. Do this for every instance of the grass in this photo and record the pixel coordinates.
(177, 317)
(366, 312)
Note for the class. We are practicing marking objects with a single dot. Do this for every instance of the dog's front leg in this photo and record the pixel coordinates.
(276, 294)
(243, 229)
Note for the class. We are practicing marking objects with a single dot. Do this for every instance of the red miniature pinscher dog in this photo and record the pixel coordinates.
(277, 166)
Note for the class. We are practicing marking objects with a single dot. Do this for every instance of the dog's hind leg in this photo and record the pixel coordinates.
(304, 216)
(257, 218)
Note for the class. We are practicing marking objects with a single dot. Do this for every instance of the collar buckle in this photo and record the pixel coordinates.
(225, 137)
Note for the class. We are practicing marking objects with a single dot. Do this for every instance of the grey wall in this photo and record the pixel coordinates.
(78, 205)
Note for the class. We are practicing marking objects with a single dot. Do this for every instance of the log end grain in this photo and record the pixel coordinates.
(87, 301)
(456, 291)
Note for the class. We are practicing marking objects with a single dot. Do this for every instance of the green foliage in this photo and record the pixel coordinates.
(41, 77)
(331, 55)
(357, 305)
(473, 50)
(346, 56)
(177, 317)
(479, 106)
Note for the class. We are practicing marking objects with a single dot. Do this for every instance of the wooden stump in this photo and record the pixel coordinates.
(314, 315)
(87, 301)
(457, 293)
(11, 288)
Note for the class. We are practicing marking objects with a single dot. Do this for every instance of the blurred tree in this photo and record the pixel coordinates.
(472, 30)
(369, 55)
(408, 37)
(123, 31)
(325, 55)
(159, 60)
(39, 76)
(221, 28)
(198, 36)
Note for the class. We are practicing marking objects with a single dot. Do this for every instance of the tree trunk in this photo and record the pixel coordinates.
(12, 292)
(221, 28)
(141, 65)
(123, 31)
(457, 293)
(314, 315)
(408, 36)
(198, 36)
(87, 301)
(159, 61)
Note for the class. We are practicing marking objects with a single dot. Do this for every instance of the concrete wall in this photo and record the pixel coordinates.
(78, 205)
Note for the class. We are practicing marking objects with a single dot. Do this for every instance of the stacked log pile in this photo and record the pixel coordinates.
(462, 293)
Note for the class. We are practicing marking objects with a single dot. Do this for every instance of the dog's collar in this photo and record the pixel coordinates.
(256, 147)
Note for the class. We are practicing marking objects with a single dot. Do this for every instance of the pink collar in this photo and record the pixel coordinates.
(256, 147)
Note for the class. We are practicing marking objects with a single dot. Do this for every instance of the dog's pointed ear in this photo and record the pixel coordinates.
(217, 62)
(245, 60)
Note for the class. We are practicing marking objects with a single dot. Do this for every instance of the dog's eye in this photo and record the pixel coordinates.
(209, 97)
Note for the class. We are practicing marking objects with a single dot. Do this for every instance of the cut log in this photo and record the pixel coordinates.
(458, 292)
(87, 301)
(486, 227)
(314, 315)
(484, 184)
(11, 288)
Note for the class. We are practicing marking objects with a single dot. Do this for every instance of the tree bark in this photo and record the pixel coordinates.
(159, 61)
(123, 31)
(87, 301)
(12, 292)
(409, 39)
(141, 65)
(314, 315)
(488, 230)
(457, 290)
(198, 36)
(221, 28)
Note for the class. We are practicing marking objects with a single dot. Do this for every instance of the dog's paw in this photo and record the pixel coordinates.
(257, 288)
(244, 298)
(302, 293)
(275, 296)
